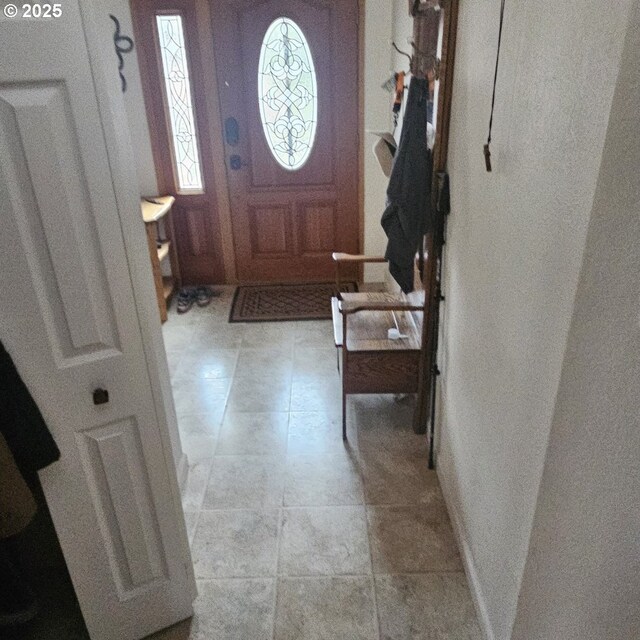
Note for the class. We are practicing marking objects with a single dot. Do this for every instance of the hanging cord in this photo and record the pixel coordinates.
(487, 152)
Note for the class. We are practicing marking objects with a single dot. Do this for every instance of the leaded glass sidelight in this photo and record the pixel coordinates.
(186, 159)
(287, 93)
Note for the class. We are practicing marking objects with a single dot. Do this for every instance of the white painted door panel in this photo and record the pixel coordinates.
(67, 315)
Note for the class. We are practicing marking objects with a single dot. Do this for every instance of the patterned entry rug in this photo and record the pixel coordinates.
(273, 302)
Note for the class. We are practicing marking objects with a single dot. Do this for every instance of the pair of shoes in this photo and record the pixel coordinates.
(188, 295)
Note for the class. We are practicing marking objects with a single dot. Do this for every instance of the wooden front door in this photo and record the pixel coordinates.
(293, 182)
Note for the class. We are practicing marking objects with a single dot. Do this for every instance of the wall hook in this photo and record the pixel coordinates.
(123, 44)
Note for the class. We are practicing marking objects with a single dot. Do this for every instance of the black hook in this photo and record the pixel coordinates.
(118, 39)
(395, 46)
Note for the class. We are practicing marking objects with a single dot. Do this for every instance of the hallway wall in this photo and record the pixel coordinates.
(514, 250)
(582, 578)
(378, 67)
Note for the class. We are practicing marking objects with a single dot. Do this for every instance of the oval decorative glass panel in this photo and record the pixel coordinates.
(287, 93)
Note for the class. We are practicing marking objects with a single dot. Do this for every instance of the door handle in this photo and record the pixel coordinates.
(236, 162)
(100, 396)
(231, 132)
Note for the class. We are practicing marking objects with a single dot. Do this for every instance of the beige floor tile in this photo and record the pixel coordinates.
(215, 314)
(197, 447)
(177, 336)
(316, 394)
(213, 336)
(200, 396)
(196, 484)
(253, 433)
(200, 424)
(317, 432)
(335, 608)
(392, 478)
(245, 481)
(236, 543)
(310, 362)
(173, 362)
(319, 480)
(314, 333)
(180, 631)
(269, 363)
(191, 520)
(408, 540)
(385, 421)
(212, 363)
(266, 335)
(324, 541)
(434, 606)
(240, 609)
(259, 395)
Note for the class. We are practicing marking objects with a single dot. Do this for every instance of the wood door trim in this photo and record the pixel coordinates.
(427, 378)
(216, 140)
(361, 114)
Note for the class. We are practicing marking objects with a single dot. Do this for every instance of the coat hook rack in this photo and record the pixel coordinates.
(419, 7)
(421, 63)
(402, 53)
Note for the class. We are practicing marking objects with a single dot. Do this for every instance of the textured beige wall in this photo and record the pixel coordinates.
(512, 261)
(582, 577)
(378, 26)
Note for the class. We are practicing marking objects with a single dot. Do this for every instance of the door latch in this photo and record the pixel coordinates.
(100, 396)
(236, 162)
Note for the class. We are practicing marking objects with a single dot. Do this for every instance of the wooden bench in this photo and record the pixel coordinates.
(371, 362)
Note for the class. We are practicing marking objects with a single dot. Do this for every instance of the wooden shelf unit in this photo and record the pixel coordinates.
(157, 210)
(163, 251)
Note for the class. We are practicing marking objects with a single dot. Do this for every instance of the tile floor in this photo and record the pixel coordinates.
(295, 535)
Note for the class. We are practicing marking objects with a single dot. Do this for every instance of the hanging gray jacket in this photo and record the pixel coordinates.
(408, 214)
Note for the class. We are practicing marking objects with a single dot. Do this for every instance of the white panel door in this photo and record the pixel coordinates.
(68, 317)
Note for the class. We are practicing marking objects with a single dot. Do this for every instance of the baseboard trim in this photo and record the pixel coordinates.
(182, 470)
(465, 550)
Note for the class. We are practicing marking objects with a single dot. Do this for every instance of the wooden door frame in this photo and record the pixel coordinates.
(215, 135)
(361, 135)
(428, 372)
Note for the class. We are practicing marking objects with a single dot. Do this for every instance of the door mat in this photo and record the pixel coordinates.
(276, 302)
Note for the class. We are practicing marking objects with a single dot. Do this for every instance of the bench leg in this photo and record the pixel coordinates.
(344, 416)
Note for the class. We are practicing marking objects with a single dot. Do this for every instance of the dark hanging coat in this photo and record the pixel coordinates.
(21, 422)
(408, 214)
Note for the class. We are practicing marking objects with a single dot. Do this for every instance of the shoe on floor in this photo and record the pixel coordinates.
(204, 295)
(186, 298)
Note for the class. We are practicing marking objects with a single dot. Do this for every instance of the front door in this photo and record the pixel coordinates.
(288, 87)
(69, 319)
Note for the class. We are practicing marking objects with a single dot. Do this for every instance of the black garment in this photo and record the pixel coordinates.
(21, 422)
(408, 215)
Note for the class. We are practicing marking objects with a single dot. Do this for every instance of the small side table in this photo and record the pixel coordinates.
(160, 238)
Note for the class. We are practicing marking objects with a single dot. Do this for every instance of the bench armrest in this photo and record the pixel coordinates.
(355, 258)
(347, 308)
